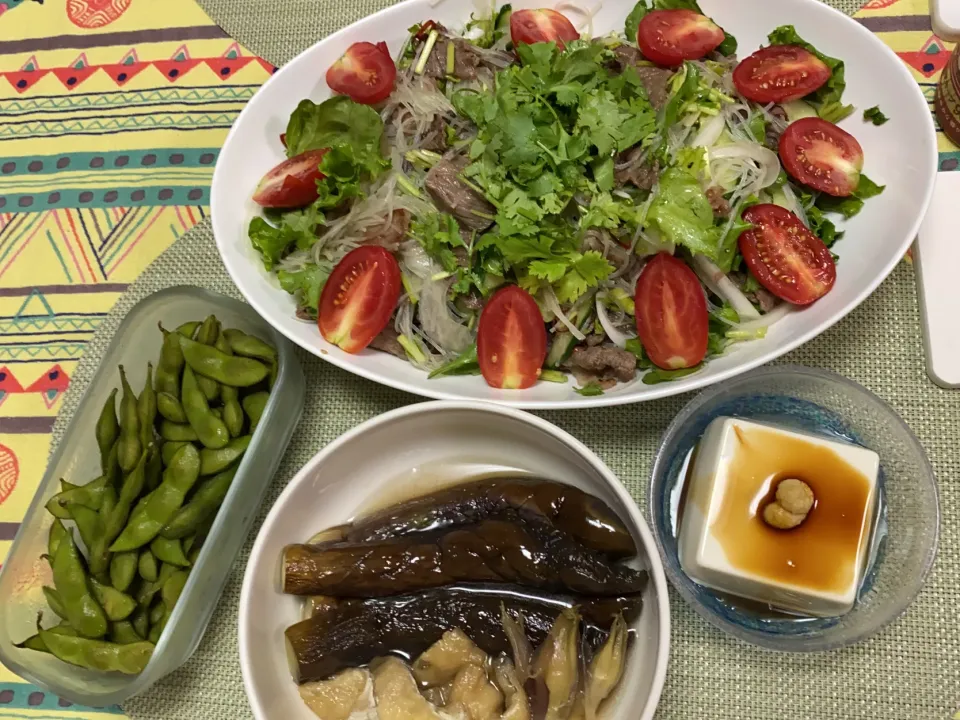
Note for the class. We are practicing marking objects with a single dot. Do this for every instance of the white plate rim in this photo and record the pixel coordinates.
(655, 565)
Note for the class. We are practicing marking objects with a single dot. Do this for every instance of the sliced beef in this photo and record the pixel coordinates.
(387, 342)
(765, 300)
(773, 135)
(453, 196)
(606, 362)
(721, 208)
(466, 61)
(656, 80)
(390, 234)
(628, 169)
(593, 239)
(436, 138)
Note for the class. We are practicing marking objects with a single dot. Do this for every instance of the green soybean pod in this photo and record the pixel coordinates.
(147, 566)
(89, 495)
(173, 432)
(154, 469)
(123, 569)
(116, 603)
(189, 329)
(170, 449)
(170, 364)
(108, 429)
(147, 409)
(54, 601)
(124, 633)
(207, 335)
(204, 503)
(90, 524)
(34, 642)
(113, 474)
(65, 485)
(169, 551)
(130, 446)
(98, 654)
(133, 485)
(72, 584)
(140, 621)
(233, 370)
(210, 429)
(57, 531)
(170, 408)
(215, 461)
(144, 524)
(173, 588)
(157, 612)
(250, 345)
(253, 406)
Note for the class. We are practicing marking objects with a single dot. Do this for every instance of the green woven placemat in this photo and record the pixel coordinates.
(911, 671)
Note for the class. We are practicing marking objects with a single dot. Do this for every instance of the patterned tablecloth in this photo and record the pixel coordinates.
(112, 113)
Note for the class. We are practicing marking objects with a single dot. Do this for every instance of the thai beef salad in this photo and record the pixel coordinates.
(522, 202)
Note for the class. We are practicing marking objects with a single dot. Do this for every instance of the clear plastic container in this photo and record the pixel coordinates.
(77, 459)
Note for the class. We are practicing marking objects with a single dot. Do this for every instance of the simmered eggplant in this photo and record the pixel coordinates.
(584, 517)
(510, 549)
(358, 631)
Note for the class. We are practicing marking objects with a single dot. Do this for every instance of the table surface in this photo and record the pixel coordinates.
(150, 89)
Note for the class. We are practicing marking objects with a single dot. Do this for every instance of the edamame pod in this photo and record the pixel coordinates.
(232, 370)
(89, 495)
(35, 643)
(172, 432)
(147, 566)
(215, 461)
(90, 524)
(170, 593)
(144, 525)
(140, 621)
(170, 364)
(250, 345)
(232, 410)
(207, 334)
(65, 485)
(154, 469)
(169, 551)
(253, 406)
(132, 487)
(123, 569)
(98, 654)
(147, 409)
(169, 450)
(57, 531)
(210, 429)
(72, 584)
(157, 612)
(205, 502)
(189, 329)
(108, 429)
(113, 474)
(170, 408)
(54, 601)
(129, 450)
(115, 603)
(124, 633)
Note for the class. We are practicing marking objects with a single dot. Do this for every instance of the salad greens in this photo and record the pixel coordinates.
(875, 116)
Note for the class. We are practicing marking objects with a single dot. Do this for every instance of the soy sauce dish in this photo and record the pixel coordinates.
(454, 560)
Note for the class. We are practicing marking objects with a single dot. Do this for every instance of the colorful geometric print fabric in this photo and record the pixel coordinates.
(112, 115)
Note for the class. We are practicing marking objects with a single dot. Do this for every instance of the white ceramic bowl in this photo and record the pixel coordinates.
(411, 451)
(901, 154)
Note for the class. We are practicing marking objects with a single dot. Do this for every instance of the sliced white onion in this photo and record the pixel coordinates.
(715, 279)
(553, 305)
(710, 132)
(765, 158)
(437, 323)
(797, 207)
(617, 337)
(765, 321)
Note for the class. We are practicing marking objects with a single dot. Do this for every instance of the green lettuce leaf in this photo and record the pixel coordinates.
(337, 122)
(850, 206)
(682, 214)
(288, 230)
(828, 99)
(306, 284)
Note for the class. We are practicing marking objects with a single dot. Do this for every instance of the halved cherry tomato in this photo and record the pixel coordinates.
(785, 257)
(668, 37)
(821, 155)
(358, 300)
(366, 73)
(292, 183)
(511, 340)
(533, 26)
(671, 313)
(780, 73)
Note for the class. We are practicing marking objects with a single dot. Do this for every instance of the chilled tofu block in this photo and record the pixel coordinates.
(778, 517)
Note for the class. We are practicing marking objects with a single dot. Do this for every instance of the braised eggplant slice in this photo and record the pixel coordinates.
(582, 516)
(363, 629)
(509, 549)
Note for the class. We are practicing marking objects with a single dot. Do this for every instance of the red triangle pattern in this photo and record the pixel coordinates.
(23, 80)
(54, 379)
(72, 77)
(225, 67)
(173, 70)
(8, 383)
(121, 74)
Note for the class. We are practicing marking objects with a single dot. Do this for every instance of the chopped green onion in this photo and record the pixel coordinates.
(464, 364)
(423, 158)
(440, 276)
(407, 186)
(618, 298)
(408, 286)
(425, 54)
(589, 390)
(412, 349)
(553, 376)
(757, 334)
(451, 58)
